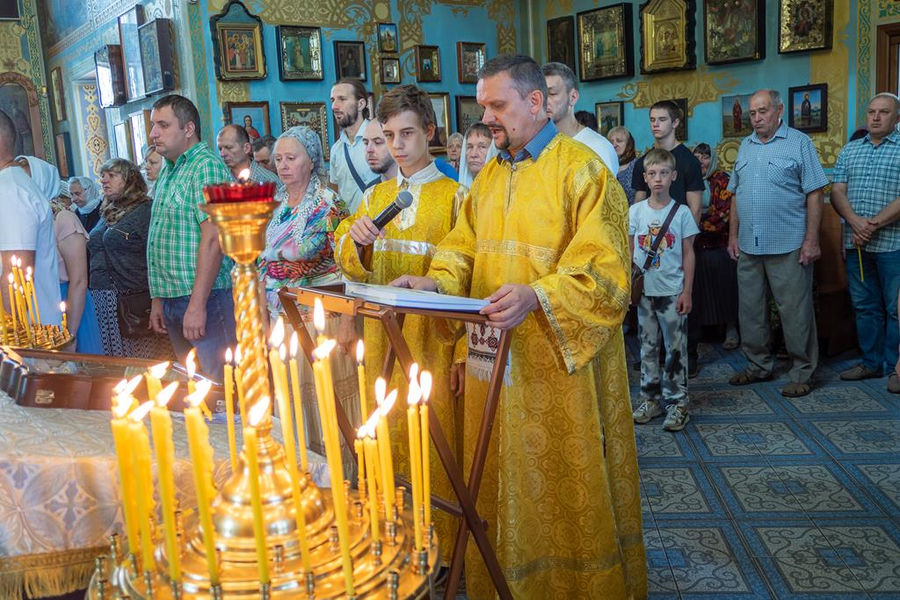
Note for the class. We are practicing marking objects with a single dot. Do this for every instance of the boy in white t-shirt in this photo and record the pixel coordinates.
(666, 300)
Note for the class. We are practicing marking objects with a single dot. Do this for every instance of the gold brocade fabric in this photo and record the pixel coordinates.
(408, 246)
(560, 489)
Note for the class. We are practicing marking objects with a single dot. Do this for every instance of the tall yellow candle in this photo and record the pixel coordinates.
(143, 481)
(367, 431)
(12, 308)
(361, 381)
(30, 289)
(298, 404)
(239, 383)
(335, 468)
(165, 462)
(254, 416)
(201, 459)
(153, 376)
(384, 449)
(229, 410)
(425, 382)
(358, 449)
(415, 458)
(124, 458)
(65, 319)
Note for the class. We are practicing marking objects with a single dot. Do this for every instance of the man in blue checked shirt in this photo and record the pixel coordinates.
(774, 235)
(866, 193)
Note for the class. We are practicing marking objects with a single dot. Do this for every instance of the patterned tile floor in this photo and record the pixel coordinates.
(766, 497)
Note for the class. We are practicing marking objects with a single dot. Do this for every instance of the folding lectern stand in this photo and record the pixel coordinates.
(391, 319)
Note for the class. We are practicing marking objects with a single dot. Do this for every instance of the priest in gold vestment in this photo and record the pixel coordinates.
(406, 245)
(543, 235)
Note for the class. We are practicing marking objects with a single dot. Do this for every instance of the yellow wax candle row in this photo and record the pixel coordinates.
(420, 451)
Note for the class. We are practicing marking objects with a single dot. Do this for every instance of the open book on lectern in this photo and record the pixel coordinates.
(406, 298)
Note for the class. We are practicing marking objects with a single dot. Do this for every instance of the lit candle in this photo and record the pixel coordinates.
(65, 328)
(279, 377)
(361, 379)
(143, 479)
(239, 383)
(28, 304)
(425, 384)
(165, 461)
(12, 308)
(298, 403)
(201, 459)
(124, 458)
(190, 365)
(367, 432)
(333, 455)
(384, 446)
(229, 410)
(153, 375)
(29, 288)
(415, 457)
(360, 459)
(254, 416)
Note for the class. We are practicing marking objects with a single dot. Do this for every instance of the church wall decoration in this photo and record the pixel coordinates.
(440, 102)
(157, 59)
(123, 141)
(64, 155)
(59, 96)
(110, 78)
(808, 108)
(605, 43)
(468, 112)
(390, 70)
(805, 25)
(470, 58)
(299, 53)
(388, 40)
(252, 116)
(667, 36)
(609, 115)
(308, 114)
(238, 44)
(350, 60)
(736, 116)
(129, 23)
(428, 64)
(561, 41)
(734, 31)
(139, 126)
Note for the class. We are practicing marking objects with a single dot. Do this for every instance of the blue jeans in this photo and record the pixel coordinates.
(875, 303)
(219, 331)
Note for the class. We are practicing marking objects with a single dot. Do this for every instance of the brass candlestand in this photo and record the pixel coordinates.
(388, 569)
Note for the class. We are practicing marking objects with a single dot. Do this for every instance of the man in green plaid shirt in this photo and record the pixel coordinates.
(189, 279)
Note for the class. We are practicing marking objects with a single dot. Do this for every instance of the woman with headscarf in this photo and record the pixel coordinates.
(86, 198)
(71, 254)
(300, 251)
(118, 250)
(622, 141)
(715, 281)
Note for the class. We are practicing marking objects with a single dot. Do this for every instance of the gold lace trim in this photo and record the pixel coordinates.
(547, 255)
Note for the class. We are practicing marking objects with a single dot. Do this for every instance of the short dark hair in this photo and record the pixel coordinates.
(359, 92)
(184, 110)
(7, 132)
(563, 72)
(407, 97)
(670, 107)
(702, 148)
(588, 119)
(266, 141)
(525, 73)
(479, 128)
(240, 133)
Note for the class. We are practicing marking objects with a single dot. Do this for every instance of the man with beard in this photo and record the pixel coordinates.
(561, 100)
(378, 155)
(542, 235)
(350, 173)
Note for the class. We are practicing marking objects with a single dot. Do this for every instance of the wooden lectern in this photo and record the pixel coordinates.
(391, 319)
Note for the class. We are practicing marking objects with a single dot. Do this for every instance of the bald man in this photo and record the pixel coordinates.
(236, 151)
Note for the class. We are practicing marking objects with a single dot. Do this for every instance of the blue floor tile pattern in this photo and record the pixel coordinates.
(767, 497)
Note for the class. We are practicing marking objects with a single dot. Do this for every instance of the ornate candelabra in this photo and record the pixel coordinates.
(388, 568)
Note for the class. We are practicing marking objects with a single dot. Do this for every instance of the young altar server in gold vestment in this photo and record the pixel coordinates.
(406, 245)
(543, 235)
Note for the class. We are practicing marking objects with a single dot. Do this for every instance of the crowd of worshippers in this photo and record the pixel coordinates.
(733, 259)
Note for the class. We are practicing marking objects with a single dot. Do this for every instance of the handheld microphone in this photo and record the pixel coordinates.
(403, 200)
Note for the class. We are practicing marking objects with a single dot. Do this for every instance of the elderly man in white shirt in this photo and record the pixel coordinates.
(350, 174)
(562, 97)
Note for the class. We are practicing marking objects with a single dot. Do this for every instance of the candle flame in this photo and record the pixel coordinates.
(197, 397)
(244, 175)
(159, 370)
(388, 403)
(425, 382)
(324, 349)
(229, 357)
(282, 352)
(138, 414)
(10, 277)
(360, 352)
(380, 390)
(258, 411)
(126, 387)
(12, 261)
(238, 355)
(28, 271)
(18, 263)
(190, 363)
(62, 306)
(319, 316)
(362, 432)
(166, 394)
(415, 393)
(372, 423)
(277, 336)
(295, 343)
(414, 371)
(28, 275)
(120, 406)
